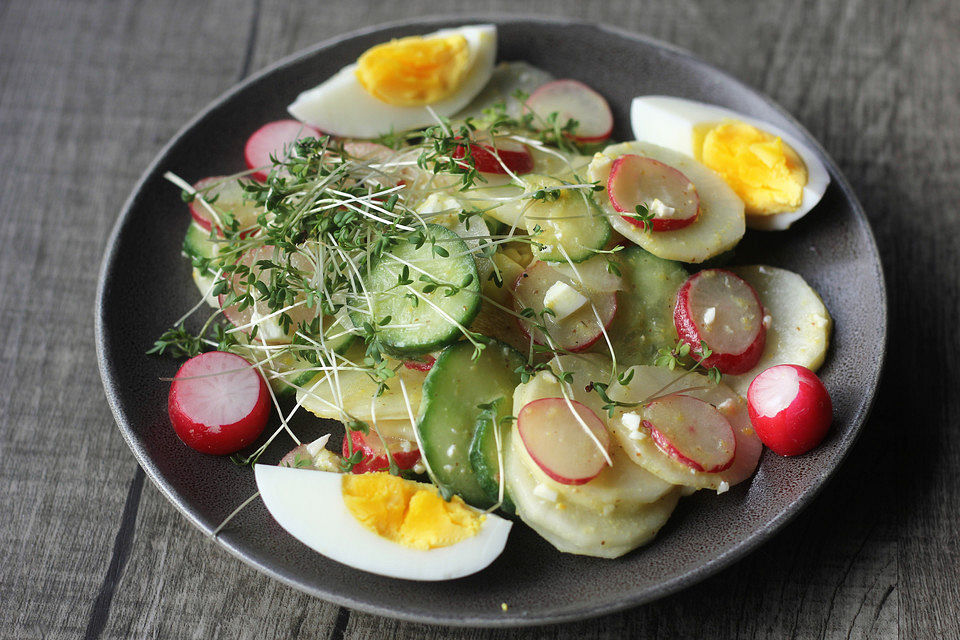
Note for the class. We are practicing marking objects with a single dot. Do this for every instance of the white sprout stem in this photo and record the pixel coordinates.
(203, 300)
(216, 532)
(186, 186)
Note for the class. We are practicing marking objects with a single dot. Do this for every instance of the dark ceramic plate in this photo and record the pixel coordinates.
(145, 285)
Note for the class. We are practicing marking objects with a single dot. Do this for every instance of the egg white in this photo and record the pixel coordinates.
(343, 107)
(669, 122)
(309, 505)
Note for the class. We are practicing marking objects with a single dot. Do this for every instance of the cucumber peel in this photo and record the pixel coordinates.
(486, 457)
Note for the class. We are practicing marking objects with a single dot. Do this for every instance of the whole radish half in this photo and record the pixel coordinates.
(218, 403)
(789, 408)
(573, 100)
(559, 443)
(223, 195)
(691, 431)
(574, 332)
(503, 156)
(664, 191)
(374, 455)
(273, 139)
(721, 309)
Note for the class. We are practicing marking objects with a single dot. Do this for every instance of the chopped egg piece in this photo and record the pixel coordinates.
(661, 210)
(544, 492)
(631, 420)
(563, 299)
(709, 315)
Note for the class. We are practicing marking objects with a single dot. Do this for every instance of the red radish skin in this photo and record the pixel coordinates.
(636, 180)
(789, 408)
(691, 432)
(516, 156)
(374, 456)
(573, 100)
(736, 333)
(272, 139)
(420, 365)
(579, 331)
(218, 403)
(558, 443)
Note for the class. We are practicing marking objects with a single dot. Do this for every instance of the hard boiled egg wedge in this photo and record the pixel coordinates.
(395, 85)
(686, 125)
(312, 506)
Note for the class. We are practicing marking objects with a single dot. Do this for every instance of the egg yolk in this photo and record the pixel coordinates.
(409, 513)
(766, 173)
(414, 71)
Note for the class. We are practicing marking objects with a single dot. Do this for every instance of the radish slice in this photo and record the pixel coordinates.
(574, 332)
(627, 426)
(558, 442)
(268, 322)
(664, 191)
(498, 157)
(691, 431)
(218, 403)
(374, 455)
(721, 309)
(789, 408)
(573, 100)
(228, 197)
(274, 139)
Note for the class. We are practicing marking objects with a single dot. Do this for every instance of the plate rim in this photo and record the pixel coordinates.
(567, 613)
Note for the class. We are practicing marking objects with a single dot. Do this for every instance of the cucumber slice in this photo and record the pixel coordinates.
(644, 320)
(486, 457)
(407, 328)
(452, 391)
(571, 221)
(197, 243)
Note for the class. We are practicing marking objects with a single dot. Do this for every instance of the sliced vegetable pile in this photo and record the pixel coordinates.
(494, 301)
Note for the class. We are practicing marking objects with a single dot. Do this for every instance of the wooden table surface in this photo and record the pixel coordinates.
(90, 91)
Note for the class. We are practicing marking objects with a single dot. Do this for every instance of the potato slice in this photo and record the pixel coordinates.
(607, 532)
(624, 484)
(800, 325)
(356, 396)
(721, 223)
(648, 381)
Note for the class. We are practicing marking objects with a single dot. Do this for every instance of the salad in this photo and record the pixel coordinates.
(497, 313)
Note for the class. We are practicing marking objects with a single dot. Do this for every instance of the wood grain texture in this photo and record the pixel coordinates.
(89, 92)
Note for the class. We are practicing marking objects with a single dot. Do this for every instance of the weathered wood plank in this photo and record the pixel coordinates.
(90, 91)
